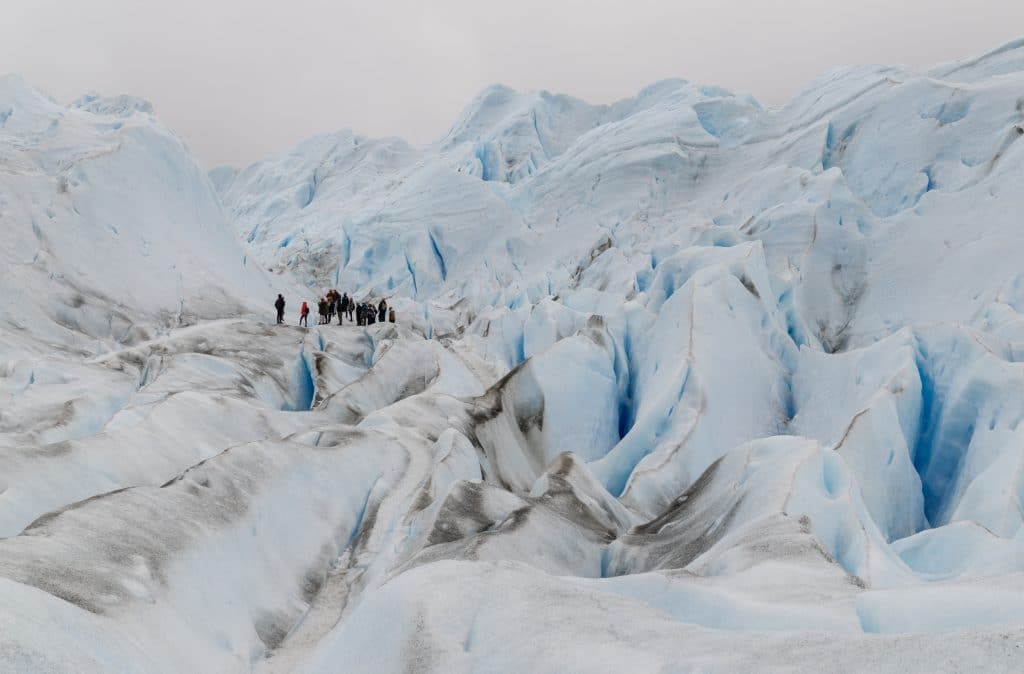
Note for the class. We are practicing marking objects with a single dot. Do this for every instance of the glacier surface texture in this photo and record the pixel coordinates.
(680, 383)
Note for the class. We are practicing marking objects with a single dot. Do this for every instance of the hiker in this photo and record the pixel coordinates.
(279, 305)
(382, 311)
(304, 314)
(391, 315)
(359, 315)
(371, 315)
(322, 308)
(343, 308)
(330, 305)
(351, 306)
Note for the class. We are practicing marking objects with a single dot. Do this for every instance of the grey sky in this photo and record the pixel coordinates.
(240, 79)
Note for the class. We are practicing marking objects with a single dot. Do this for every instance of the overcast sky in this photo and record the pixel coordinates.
(240, 79)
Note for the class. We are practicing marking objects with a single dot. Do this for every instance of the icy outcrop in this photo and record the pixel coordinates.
(108, 225)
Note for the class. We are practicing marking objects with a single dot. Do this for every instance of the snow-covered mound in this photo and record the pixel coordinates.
(108, 224)
(678, 384)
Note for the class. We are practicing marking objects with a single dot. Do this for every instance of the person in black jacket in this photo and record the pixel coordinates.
(382, 311)
(279, 305)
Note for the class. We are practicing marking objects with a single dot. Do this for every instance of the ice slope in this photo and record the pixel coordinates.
(678, 384)
(108, 224)
(849, 181)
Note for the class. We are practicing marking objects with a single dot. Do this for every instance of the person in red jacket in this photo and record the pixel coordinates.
(304, 315)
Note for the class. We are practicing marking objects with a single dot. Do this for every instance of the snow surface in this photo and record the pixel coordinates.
(679, 383)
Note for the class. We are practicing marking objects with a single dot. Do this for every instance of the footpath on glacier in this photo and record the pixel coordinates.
(679, 384)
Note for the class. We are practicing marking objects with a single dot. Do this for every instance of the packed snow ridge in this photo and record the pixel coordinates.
(680, 383)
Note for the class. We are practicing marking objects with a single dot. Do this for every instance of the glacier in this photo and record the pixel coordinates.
(678, 383)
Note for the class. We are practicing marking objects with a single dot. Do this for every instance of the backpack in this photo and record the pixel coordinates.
(305, 309)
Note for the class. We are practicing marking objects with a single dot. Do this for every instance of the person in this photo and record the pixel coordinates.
(279, 305)
(351, 307)
(382, 311)
(304, 314)
(329, 299)
(322, 308)
(371, 313)
(391, 315)
(343, 308)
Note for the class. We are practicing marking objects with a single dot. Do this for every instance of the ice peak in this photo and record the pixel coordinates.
(16, 91)
(1006, 58)
(119, 106)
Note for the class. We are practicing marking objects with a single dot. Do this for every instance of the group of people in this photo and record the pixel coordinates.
(367, 314)
(331, 304)
(341, 305)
